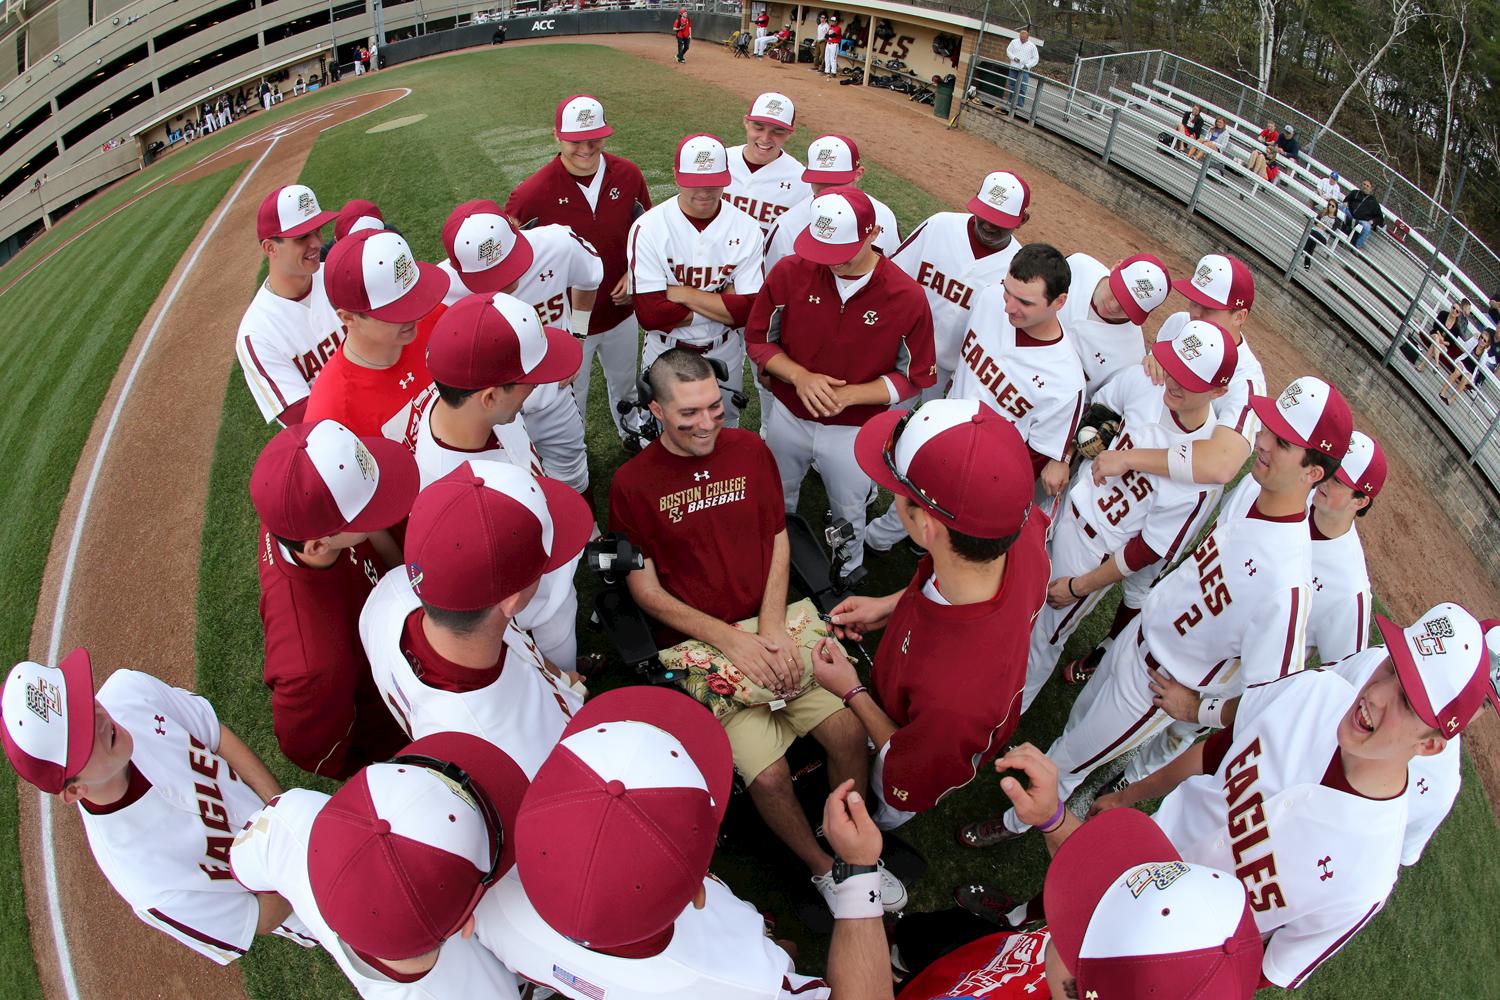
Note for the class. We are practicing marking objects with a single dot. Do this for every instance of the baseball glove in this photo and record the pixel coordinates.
(1096, 430)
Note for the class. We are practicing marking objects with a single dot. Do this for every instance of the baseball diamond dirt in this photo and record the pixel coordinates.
(117, 605)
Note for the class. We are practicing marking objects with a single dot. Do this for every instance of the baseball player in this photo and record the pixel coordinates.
(557, 272)
(645, 774)
(325, 499)
(289, 330)
(1138, 523)
(387, 871)
(1232, 615)
(832, 161)
(377, 382)
(959, 473)
(831, 48)
(1302, 795)
(486, 355)
(842, 335)
(1106, 307)
(1338, 619)
(695, 265)
(161, 787)
(439, 633)
(782, 37)
(597, 197)
(766, 180)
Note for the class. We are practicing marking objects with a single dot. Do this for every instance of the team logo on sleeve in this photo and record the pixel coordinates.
(406, 272)
(1160, 874)
(1430, 642)
(43, 699)
(1191, 347)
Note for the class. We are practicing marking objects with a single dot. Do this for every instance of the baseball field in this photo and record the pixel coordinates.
(163, 578)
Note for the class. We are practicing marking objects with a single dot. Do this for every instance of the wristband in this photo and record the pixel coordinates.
(1075, 594)
(849, 694)
(1211, 712)
(578, 322)
(1180, 463)
(858, 897)
(1056, 820)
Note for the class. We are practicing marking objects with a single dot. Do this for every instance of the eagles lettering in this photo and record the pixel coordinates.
(1216, 596)
(760, 211)
(1007, 397)
(1248, 828)
(954, 291)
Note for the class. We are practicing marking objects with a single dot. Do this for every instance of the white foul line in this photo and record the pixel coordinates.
(49, 863)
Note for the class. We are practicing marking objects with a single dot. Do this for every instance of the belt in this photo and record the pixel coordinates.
(1087, 528)
(673, 342)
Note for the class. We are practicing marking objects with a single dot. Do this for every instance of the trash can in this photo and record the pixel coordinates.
(942, 98)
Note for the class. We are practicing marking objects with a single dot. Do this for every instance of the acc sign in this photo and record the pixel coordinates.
(548, 25)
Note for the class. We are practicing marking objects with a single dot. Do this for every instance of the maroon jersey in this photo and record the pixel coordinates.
(951, 676)
(707, 524)
(885, 329)
(376, 402)
(326, 712)
(555, 197)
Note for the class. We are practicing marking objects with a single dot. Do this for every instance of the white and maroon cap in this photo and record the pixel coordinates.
(957, 458)
(581, 117)
(356, 216)
(773, 109)
(702, 161)
(1130, 918)
(320, 479)
(373, 272)
(1140, 284)
(484, 248)
(1219, 282)
(49, 719)
(488, 530)
(831, 159)
(1444, 663)
(643, 774)
(1363, 468)
(399, 857)
(1200, 358)
(290, 212)
(842, 218)
(1309, 413)
(1002, 199)
(496, 339)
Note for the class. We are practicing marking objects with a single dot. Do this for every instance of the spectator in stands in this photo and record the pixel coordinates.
(1329, 189)
(1269, 133)
(1266, 163)
(1476, 349)
(1192, 127)
(1022, 55)
(1449, 329)
(1215, 140)
(1323, 230)
(1291, 149)
(1494, 309)
(1361, 213)
(299, 87)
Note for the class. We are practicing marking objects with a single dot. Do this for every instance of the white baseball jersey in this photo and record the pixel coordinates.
(666, 249)
(523, 712)
(1036, 386)
(764, 193)
(1317, 860)
(720, 952)
(165, 846)
(1242, 593)
(950, 265)
(282, 344)
(270, 855)
(1232, 408)
(791, 223)
(1338, 622)
(1103, 347)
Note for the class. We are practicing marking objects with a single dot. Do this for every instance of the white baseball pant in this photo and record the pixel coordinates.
(616, 350)
(1073, 552)
(731, 351)
(831, 59)
(557, 432)
(798, 444)
(1164, 748)
(762, 41)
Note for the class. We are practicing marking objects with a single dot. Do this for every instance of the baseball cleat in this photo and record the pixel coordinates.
(1078, 672)
(986, 903)
(985, 833)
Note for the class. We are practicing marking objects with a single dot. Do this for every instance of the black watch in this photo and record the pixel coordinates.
(844, 870)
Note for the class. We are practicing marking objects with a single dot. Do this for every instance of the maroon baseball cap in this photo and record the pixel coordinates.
(356, 215)
(957, 458)
(488, 530)
(373, 272)
(1444, 662)
(496, 339)
(1309, 413)
(1219, 282)
(1130, 918)
(320, 479)
(49, 719)
(290, 212)
(841, 220)
(400, 856)
(488, 252)
(615, 835)
(1202, 356)
(1363, 468)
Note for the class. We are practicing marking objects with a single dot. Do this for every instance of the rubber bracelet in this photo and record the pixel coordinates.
(858, 897)
(1056, 820)
(1180, 463)
(1076, 595)
(850, 694)
(1211, 712)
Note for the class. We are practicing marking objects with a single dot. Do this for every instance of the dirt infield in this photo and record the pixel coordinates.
(139, 610)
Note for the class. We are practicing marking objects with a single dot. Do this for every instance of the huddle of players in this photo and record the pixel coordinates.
(423, 513)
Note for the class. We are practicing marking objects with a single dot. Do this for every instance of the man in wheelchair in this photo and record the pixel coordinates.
(703, 505)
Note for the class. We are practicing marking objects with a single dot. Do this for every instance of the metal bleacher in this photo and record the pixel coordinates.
(1388, 292)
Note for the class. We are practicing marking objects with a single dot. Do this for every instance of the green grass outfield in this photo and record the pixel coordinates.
(488, 126)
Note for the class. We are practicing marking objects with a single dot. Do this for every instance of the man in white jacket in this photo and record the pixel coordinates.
(1022, 55)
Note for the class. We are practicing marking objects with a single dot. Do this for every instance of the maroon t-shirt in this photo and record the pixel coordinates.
(707, 524)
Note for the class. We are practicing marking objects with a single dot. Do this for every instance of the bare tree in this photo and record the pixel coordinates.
(1265, 49)
(1452, 66)
(1404, 14)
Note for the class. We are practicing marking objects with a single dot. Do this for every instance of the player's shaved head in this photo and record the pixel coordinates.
(673, 367)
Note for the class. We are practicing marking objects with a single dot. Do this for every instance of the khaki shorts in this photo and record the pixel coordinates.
(759, 737)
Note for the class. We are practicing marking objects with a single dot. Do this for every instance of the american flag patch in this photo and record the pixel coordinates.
(583, 986)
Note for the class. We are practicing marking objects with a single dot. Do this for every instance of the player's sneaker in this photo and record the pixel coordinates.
(1078, 672)
(986, 902)
(985, 832)
(892, 892)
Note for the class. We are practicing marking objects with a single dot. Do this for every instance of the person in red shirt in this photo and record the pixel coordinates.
(377, 383)
(962, 480)
(597, 196)
(683, 29)
(703, 505)
(843, 334)
(325, 499)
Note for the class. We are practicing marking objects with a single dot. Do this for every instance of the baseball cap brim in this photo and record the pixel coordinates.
(602, 132)
(1270, 414)
(504, 274)
(991, 214)
(1132, 308)
(768, 120)
(572, 522)
(303, 228)
(492, 769)
(1168, 359)
(397, 489)
(423, 297)
(869, 450)
(563, 358)
(1399, 650)
(811, 176)
(720, 179)
(1191, 291)
(78, 683)
(809, 247)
